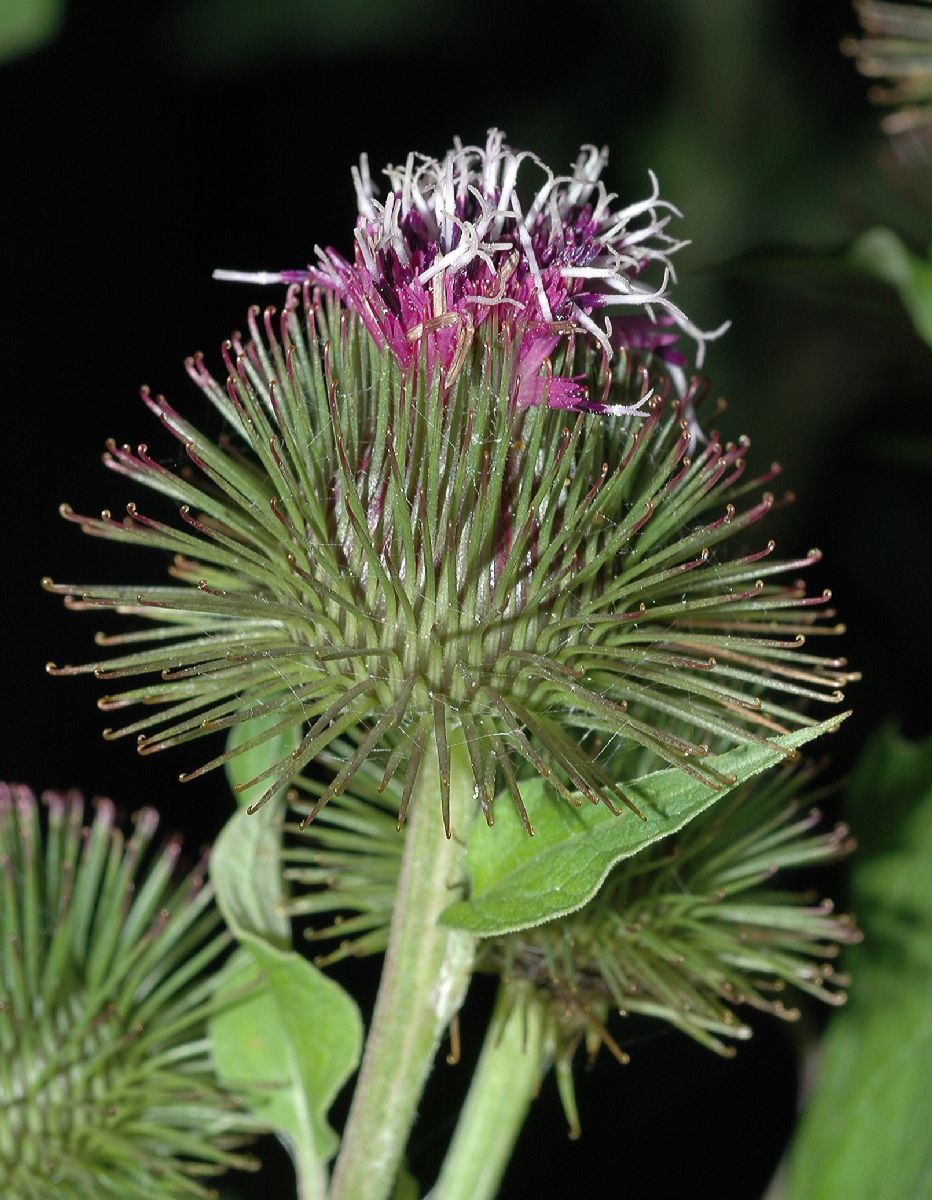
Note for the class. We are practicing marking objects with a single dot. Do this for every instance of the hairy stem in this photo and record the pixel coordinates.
(424, 980)
(516, 1052)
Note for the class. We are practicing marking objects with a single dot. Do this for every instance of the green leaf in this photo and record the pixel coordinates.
(287, 1037)
(518, 882)
(881, 253)
(865, 1132)
(245, 865)
(286, 1040)
(247, 764)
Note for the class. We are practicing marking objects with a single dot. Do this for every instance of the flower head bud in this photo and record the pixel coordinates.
(106, 1085)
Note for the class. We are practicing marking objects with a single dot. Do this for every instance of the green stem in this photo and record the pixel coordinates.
(516, 1052)
(310, 1172)
(424, 980)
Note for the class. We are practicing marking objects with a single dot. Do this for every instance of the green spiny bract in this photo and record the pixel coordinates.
(107, 1090)
(408, 552)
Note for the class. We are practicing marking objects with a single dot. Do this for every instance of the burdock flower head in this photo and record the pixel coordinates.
(451, 509)
(107, 1086)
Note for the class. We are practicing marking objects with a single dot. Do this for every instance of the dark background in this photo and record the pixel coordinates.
(149, 143)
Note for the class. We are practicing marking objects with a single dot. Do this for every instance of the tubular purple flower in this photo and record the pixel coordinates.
(452, 249)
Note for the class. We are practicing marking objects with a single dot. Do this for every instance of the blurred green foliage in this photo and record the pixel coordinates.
(882, 254)
(26, 25)
(866, 1131)
(242, 33)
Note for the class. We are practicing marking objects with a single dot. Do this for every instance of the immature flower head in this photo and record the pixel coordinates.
(408, 548)
(456, 246)
(106, 1085)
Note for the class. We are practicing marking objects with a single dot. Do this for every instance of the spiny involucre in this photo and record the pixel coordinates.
(451, 507)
